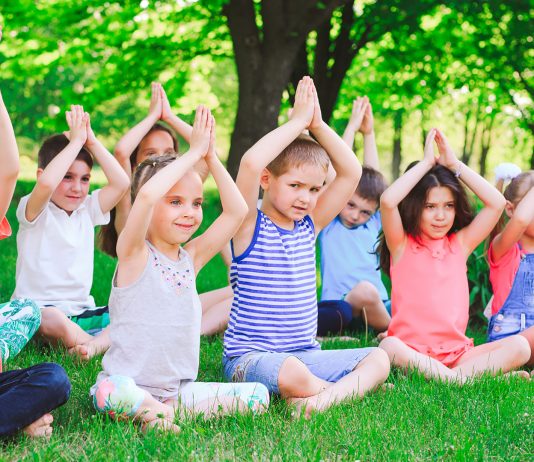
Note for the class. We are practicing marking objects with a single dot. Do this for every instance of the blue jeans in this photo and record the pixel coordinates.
(28, 394)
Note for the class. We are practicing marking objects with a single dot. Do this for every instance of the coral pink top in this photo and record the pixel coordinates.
(430, 299)
(5, 229)
(502, 275)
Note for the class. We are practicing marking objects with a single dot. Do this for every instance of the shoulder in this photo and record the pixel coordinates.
(512, 256)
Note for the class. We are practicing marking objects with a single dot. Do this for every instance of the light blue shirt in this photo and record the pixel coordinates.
(347, 257)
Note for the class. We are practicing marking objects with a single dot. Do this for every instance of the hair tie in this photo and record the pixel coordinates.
(153, 163)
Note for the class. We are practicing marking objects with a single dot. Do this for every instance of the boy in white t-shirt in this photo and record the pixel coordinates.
(55, 241)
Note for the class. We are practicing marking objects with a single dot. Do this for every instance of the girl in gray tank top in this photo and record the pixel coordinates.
(150, 369)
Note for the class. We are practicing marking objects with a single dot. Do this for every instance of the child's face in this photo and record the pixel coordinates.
(178, 214)
(438, 213)
(156, 143)
(294, 194)
(357, 211)
(73, 188)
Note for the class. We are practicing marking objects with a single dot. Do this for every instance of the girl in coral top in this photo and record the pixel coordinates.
(511, 259)
(430, 231)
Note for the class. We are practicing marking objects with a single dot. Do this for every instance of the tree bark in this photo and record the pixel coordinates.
(265, 59)
(397, 144)
(485, 144)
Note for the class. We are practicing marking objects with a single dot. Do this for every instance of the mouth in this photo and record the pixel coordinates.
(74, 198)
(300, 209)
(185, 227)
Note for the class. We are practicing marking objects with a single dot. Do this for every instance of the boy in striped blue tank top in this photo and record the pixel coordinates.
(273, 322)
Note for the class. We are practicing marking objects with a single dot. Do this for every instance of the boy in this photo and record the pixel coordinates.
(273, 322)
(349, 264)
(55, 242)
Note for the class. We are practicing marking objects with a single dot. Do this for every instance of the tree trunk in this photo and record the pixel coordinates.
(265, 60)
(485, 144)
(397, 144)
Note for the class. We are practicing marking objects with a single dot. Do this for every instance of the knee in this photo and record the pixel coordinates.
(55, 381)
(521, 348)
(295, 379)
(380, 359)
(392, 346)
(366, 292)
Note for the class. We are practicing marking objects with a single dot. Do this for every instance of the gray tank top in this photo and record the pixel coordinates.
(155, 326)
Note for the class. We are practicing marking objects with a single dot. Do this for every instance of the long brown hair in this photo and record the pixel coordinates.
(412, 206)
(107, 236)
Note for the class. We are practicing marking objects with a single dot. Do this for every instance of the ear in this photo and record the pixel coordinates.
(509, 209)
(39, 172)
(265, 179)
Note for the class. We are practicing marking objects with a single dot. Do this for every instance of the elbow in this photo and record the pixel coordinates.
(500, 203)
(387, 201)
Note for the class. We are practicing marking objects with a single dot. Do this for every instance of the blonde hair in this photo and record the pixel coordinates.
(302, 151)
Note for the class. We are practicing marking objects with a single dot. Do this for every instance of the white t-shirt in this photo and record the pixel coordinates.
(55, 255)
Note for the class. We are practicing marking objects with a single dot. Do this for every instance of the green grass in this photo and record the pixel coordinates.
(418, 420)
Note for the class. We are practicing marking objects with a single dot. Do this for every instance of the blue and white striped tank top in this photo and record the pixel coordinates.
(274, 283)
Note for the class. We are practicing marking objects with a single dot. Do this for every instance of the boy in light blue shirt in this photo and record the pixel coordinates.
(351, 283)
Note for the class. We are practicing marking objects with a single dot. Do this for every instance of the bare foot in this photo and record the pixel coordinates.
(83, 351)
(521, 374)
(304, 407)
(41, 428)
(161, 424)
(385, 387)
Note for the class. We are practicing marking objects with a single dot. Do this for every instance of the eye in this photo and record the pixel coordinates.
(366, 212)
(429, 206)
(85, 179)
(450, 206)
(175, 202)
(197, 204)
(315, 190)
(293, 185)
(68, 176)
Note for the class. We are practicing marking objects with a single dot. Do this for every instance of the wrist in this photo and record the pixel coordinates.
(153, 117)
(318, 127)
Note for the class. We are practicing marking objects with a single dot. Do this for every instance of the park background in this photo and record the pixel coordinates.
(465, 67)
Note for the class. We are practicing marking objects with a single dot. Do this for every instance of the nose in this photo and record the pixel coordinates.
(76, 185)
(440, 213)
(304, 196)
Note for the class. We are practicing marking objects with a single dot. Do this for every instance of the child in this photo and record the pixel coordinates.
(273, 322)
(26, 395)
(154, 300)
(149, 138)
(55, 241)
(511, 259)
(430, 232)
(349, 266)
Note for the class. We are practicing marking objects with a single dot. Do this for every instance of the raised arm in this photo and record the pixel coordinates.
(131, 248)
(118, 180)
(522, 217)
(9, 160)
(348, 170)
(494, 202)
(267, 149)
(370, 153)
(128, 143)
(49, 178)
(389, 201)
(203, 248)
(355, 121)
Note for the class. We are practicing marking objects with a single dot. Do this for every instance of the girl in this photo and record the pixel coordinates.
(150, 138)
(154, 300)
(511, 259)
(26, 395)
(430, 231)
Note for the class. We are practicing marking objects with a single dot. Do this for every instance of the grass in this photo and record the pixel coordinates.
(419, 420)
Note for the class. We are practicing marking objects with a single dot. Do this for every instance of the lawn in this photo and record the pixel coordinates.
(490, 419)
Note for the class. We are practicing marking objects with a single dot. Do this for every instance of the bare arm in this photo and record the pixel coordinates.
(515, 228)
(493, 200)
(131, 247)
(9, 160)
(370, 153)
(355, 121)
(128, 143)
(266, 150)
(206, 246)
(348, 170)
(118, 180)
(48, 179)
(389, 201)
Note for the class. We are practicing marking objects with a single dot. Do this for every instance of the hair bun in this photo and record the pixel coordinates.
(506, 171)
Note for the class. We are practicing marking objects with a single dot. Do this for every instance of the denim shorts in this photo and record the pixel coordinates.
(509, 322)
(264, 367)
